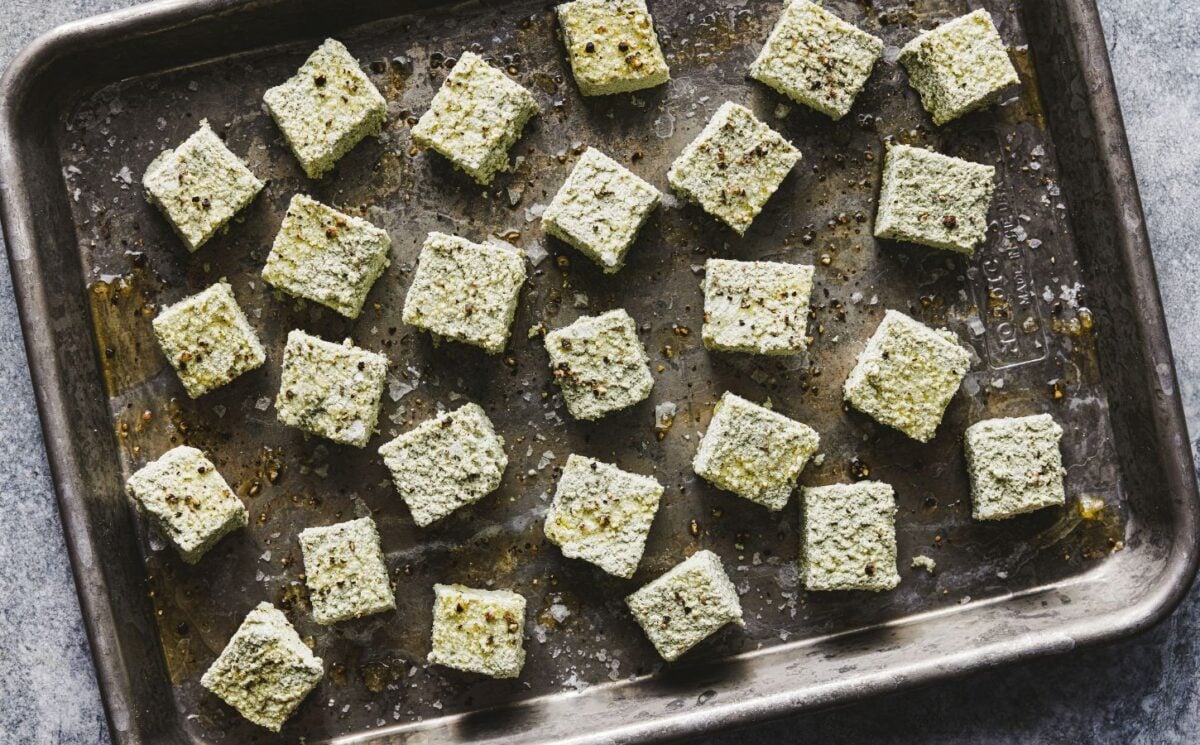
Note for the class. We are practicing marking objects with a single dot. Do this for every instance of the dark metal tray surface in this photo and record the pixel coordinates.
(1060, 307)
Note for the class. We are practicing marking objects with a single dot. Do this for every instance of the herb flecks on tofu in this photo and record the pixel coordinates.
(478, 631)
(686, 605)
(1015, 466)
(599, 364)
(612, 46)
(848, 537)
(756, 307)
(345, 572)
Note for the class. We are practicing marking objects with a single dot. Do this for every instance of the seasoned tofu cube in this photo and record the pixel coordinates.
(733, 167)
(330, 390)
(326, 108)
(478, 631)
(933, 199)
(686, 605)
(475, 117)
(345, 572)
(600, 209)
(188, 501)
(907, 375)
(1015, 466)
(817, 59)
(265, 670)
(612, 46)
(599, 364)
(754, 452)
(199, 186)
(848, 537)
(757, 307)
(466, 291)
(959, 66)
(602, 514)
(326, 256)
(447, 462)
(208, 340)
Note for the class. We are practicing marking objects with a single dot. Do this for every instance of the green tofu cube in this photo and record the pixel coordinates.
(959, 66)
(733, 167)
(817, 59)
(326, 108)
(478, 631)
(450, 461)
(330, 390)
(602, 514)
(600, 209)
(326, 256)
(466, 291)
(475, 117)
(933, 199)
(907, 375)
(265, 670)
(1015, 466)
(612, 46)
(754, 452)
(199, 186)
(686, 605)
(757, 307)
(848, 537)
(345, 572)
(599, 364)
(208, 340)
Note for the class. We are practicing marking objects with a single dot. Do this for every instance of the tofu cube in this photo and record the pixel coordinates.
(1015, 466)
(208, 340)
(600, 209)
(933, 199)
(599, 364)
(478, 631)
(817, 59)
(602, 514)
(345, 572)
(326, 256)
(612, 46)
(907, 375)
(326, 108)
(188, 501)
(199, 186)
(754, 452)
(686, 605)
(330, 390)
(959, 66)
(733, 167)
(848, 537)
(757, 307)
(447, 462)
(475, 117)
(265, 670)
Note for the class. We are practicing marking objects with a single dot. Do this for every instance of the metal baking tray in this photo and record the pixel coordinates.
(1060, 306)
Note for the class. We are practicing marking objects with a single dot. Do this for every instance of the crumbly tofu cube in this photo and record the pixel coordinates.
(208, 340)
(475, 117)
(599, 364)
(326, 108)
(817, 59)
(848, 537)
(190, 503)
(757, 307)
(686, 605)
(600, 209)
(733, 167)
(602, 514)
(330, 390)
(447, 462)
(326, 256)
(479, 631)
(345, 572)
(959, 66)
(265, 670)
(612, 46)
(907, 375)
(1015, 466)
(933, 199)
(199, 186)
(754, 452)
